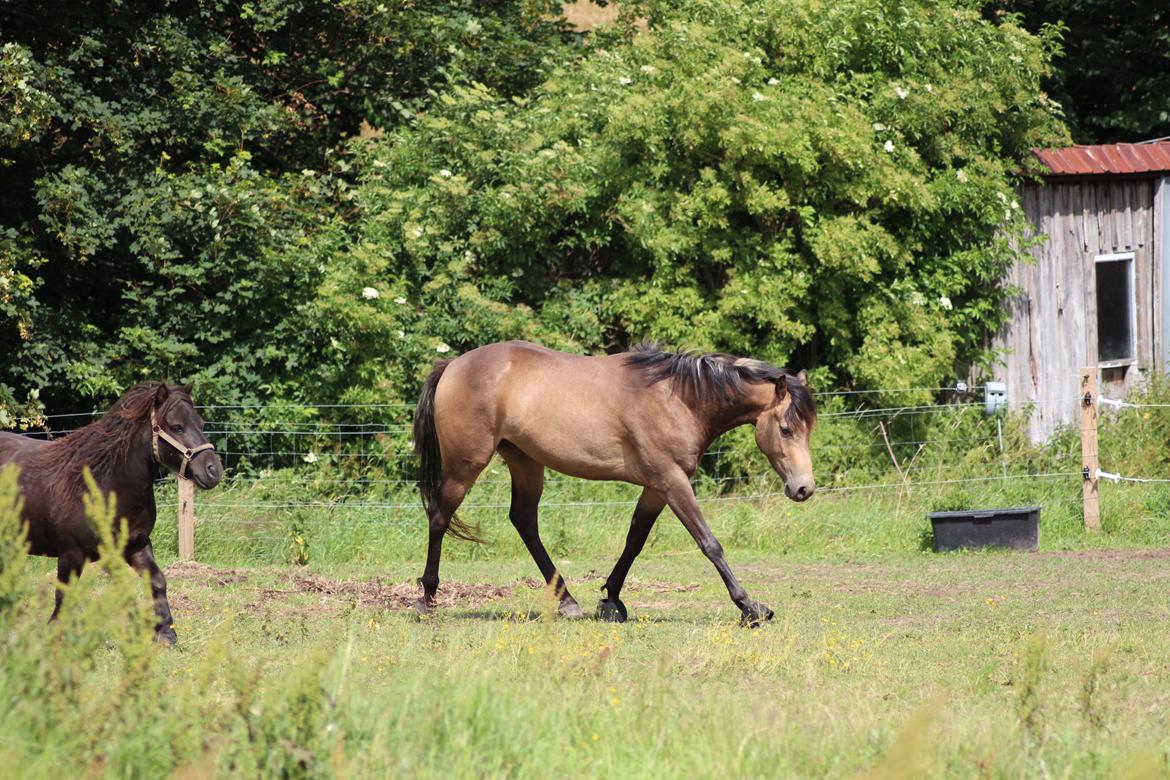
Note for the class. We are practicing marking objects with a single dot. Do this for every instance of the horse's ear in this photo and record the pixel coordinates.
(781, 387)
(187, 388)
(802, 377)
(161, 394)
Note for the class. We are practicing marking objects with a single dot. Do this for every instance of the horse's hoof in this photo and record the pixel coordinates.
(611, 611)
(166, 635)
(571, 610)
(755, 614)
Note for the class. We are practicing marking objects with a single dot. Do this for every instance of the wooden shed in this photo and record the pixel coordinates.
(1097, 291)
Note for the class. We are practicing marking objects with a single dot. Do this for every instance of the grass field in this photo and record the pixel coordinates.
(299, 655)
(895, 664)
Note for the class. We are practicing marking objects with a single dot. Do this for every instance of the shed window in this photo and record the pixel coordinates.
(1115, 309)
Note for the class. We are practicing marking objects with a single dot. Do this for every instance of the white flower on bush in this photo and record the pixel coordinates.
(443, 347)
(945, 302)
(773, 81)
(888, 146)
(647, 68)
(901, 92)
(625, 81)
(370, 294)
(756, 96)
(446, 174)
(311, 457)
(961, 175)
(400, 300)
(917, 298)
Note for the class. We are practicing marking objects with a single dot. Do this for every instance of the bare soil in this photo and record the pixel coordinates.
(384, 593)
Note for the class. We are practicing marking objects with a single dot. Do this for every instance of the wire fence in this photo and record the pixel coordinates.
(297, 465)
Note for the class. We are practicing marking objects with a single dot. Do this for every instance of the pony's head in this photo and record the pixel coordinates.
(783, 432)
(177, 437)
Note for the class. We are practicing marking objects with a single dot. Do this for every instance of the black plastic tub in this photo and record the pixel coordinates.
(1015, 529)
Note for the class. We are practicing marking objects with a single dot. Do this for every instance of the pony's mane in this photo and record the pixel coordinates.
(105, 443)
(698, 377)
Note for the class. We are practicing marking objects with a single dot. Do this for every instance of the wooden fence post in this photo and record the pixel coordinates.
(1088, 402)
(186, 519)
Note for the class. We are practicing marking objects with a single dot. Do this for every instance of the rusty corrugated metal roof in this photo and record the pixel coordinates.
(1106, 159)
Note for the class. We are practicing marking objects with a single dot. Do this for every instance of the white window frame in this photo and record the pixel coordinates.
(1116, 258)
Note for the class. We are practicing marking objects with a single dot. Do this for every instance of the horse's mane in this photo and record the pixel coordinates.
(105, 443)
(698, 377)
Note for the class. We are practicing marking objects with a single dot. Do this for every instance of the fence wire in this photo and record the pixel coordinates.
(316, 463)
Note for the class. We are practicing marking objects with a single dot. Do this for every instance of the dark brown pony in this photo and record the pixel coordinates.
(644, 417)
(152, 427)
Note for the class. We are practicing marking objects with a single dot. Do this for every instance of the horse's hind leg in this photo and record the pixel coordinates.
(142, 560)
(69, 566)
(527, 487)
(650, 505)
(453, 487)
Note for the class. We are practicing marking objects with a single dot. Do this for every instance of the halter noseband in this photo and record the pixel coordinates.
(189, 453)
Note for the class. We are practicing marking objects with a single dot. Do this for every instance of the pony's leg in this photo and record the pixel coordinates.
(527, 486)
(681, 499)
(453, 487)
(69, 566)
(650, 505)
(142, 560)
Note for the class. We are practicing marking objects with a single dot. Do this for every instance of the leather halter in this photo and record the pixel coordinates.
(189, 453)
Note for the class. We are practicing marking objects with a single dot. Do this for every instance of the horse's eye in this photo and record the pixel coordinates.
(177, 428)
(785, 431)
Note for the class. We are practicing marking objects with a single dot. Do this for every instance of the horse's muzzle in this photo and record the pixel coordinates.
(206, 470)
(801, 493)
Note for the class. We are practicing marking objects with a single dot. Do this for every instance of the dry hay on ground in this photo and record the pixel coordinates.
(380, 594)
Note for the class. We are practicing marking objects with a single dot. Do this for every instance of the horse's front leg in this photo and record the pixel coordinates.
(682, 501)
(69, 565)
(141, 559)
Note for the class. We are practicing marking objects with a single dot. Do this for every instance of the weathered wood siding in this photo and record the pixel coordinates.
(1053, 328)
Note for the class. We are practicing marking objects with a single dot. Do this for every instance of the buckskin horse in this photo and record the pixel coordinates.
(644, 417)
(151, 427)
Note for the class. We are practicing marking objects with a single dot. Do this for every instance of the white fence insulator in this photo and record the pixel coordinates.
(1109, 475)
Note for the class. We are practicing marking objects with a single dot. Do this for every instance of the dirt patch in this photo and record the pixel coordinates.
(380, 594)
(199, 571)
(1110, 555)
(632, 584)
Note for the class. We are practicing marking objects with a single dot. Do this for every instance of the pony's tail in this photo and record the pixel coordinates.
(426, 448)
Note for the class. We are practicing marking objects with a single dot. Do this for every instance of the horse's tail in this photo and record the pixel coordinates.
(426, 447)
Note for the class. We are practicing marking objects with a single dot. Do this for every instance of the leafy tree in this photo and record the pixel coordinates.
(173, 188)
(1114, 78)
(816, 183)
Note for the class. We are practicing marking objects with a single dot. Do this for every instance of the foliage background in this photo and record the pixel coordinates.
(1113, 80)
(175, 173)
(189, 194)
